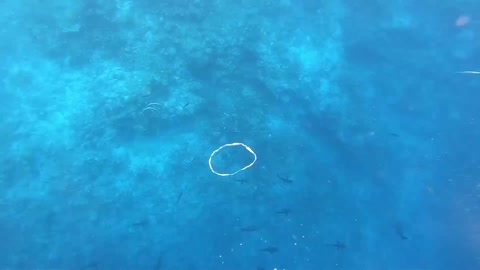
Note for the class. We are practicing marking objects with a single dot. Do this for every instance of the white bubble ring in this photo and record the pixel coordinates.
(229, 145)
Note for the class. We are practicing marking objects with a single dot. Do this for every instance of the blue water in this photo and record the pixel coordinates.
(365, 130)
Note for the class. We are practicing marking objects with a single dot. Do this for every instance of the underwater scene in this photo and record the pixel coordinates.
(247, 134)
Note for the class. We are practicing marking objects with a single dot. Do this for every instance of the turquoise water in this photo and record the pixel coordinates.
(362, 118)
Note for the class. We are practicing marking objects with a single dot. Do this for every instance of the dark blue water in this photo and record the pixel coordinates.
(365, 129)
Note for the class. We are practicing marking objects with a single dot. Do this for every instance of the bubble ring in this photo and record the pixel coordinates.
(229, 145)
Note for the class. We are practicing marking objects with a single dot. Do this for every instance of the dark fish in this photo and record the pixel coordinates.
(270, 250)
(241, 180)
(251, 228)
(179, 197)
(186, 105)
(393, 134)
(159, 263)
(338, 245)
(140, 223)
(286, 180)
(91, 266)
(400, 232)
(284, 211)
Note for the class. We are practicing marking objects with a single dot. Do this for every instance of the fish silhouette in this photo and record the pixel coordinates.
(270, 249)
(400, 232)
(251, 228)
(338, 245)
(286, 180)
(284, 211)
(241, 180)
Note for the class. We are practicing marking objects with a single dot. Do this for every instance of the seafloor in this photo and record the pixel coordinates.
(366, 137)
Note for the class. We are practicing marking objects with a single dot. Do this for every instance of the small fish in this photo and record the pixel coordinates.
(338, 245)
(430, 190)
(241, 180)
(284, 211)
(184, 106)
(179, 197)
(270, 250)
(158, 263)
(393, 134)
(286, 180)
(90, 266)
(140, 223)
(400, 232)
(251, 228)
